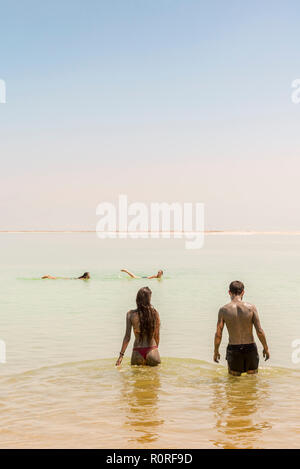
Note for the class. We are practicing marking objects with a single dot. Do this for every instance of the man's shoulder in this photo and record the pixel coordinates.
(231, 307)
(226, 307)
(249, 305)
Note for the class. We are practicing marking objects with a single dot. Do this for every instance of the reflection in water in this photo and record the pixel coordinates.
(181, 404)
(238, 404)
(141, 391)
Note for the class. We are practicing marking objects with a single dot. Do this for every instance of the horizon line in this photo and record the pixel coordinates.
(117, 232)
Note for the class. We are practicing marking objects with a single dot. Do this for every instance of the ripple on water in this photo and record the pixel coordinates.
(181, 403)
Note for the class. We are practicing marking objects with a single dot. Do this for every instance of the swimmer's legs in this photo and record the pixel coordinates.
(129, 273)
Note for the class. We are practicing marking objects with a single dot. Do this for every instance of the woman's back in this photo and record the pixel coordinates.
(144, 340)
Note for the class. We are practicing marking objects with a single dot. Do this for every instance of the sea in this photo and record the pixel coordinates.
(59, 341)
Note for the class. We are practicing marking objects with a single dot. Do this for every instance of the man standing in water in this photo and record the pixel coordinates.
(239, 317)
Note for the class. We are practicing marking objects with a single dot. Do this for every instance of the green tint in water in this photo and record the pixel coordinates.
(59, 386)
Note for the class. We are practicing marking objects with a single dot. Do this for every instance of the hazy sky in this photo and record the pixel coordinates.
(162, 100)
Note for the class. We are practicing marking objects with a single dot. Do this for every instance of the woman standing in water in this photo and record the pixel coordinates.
(146, 324)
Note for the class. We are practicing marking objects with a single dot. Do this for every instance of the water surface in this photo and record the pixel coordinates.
(59, 387)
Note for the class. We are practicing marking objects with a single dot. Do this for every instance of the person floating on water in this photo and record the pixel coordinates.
(158, 275)
(146, 325)
(84, 276)
(239, 317)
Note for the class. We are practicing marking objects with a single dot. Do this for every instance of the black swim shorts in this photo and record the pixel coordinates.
(242, 358)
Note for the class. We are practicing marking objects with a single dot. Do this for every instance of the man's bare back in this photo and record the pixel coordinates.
(239, 318)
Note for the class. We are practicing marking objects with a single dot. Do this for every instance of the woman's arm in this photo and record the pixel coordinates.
(126, 339)
(157, 330)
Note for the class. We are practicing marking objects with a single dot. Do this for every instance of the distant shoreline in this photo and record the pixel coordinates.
(208, 232)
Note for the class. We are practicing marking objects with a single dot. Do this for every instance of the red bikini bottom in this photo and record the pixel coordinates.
(144, 350)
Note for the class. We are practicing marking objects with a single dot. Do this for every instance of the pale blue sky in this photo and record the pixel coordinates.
(163, 100)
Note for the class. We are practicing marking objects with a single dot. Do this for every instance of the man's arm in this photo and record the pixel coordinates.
(260, 333)
(218, 335)
(129, 273)
(153, 276)
(126, 339)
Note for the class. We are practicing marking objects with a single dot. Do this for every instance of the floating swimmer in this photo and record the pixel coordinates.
(158, 275)
(85, 276)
